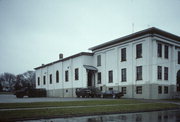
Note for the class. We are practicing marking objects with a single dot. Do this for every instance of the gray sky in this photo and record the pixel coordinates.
(33, 32)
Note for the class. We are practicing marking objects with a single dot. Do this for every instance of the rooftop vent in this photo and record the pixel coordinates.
(60, 56)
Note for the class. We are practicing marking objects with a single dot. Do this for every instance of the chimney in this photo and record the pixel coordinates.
(60, 56)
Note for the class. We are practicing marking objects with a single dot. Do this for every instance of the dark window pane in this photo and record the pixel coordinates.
(178, 57)
(159, 51)
(123, 75)
(57, 76)
(44, 80)
(139, 73)
(165, 73)
(160, 89)
(66, 76)
(123, 90)
(139, 90)
(99, 78)
(38, 81)
(123, 54)
(166, 52)
(76, 74)
(110, 76)
(165, 89)
(159, 72)
(50, 78)
(139, 51)
(99, 60)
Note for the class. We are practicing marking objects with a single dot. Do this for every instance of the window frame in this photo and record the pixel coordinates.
(44, 80)
(159, 72)
(66, 75)
(50, 79)
(110, 76)
(123, 75)
(139, 51)
(159, 89)
(123, 54)
(76, 73)
(99, 78)
(57, 76)
(124, 90)
(166, 51)
(98, 60)
(139, 73)
(159, 50)
(178, 57)
(166, 73)
(38, 81)
(139, 89)
(166, 89)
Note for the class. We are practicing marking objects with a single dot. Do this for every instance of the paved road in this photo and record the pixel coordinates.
(8, 98)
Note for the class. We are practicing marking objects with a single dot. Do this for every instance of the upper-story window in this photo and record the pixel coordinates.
(123, 54)
(76, 74)
(123, 75)
(139, 51)
(178, 57)
(66, 75)
(159, 50)
(165, 73)
(110, 76)
(38, 81)
(57, 76)
(44, 80)
(139, 73)
(159, 72)
(166, 51)
(50, 78)
(99, 60)
(99, 78)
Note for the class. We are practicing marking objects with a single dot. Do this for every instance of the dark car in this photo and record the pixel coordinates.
(88, 92)
(30, 92)
(112, 94)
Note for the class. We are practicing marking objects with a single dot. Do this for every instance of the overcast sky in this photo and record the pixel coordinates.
(33, 32)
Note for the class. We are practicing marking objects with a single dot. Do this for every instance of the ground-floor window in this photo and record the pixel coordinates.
(138, 89)
(165, 89)
(66, 75)
(38, 81)
(160, 89)
(110, 76)
(123, 90)
(110, 89)
(99, 78)
(44, 80)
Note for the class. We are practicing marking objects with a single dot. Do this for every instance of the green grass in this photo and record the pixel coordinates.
(68, 112)
(70, 103)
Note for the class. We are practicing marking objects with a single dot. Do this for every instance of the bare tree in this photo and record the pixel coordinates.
(7, 80)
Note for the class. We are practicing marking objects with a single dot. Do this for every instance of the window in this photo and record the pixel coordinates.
(44, 80)
(139, 51)
(76, 74)
(166, 51)
(139, 73)
(123, 90)
(159, 50)
(165, 73)
(99, 60)
(165, 89)
(123, 54)
(66, 75)
(123, 75)
(38, 81)
(110, 76)
(57, 76)
(99, 78)
(178, 57)
(101, 88)
(159, 72)
(138, 89)
(160, 89)
(50, 78)
(110, 89)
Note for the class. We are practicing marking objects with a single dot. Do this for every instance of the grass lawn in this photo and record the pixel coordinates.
(67, 103)
(131, 106)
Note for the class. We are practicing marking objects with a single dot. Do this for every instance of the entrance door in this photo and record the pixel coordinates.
(178, 81)
(90, 81)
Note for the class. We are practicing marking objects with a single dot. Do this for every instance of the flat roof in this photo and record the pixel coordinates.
(151, 31)
(64, 59)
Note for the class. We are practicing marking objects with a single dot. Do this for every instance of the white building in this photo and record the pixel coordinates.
(145, 64)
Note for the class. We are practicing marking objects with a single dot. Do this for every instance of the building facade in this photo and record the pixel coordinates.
(145, 64)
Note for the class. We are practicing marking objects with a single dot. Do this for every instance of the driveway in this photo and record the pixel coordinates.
(9, 98)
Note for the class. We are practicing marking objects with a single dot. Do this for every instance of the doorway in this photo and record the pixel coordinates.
(91, 78)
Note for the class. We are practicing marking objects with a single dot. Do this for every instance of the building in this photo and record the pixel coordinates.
(145, 64)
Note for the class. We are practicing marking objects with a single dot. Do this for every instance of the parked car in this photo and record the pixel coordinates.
(30, 92)
(88, 92)
(112, 94)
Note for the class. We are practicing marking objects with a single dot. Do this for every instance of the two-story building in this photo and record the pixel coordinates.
(145, 64)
